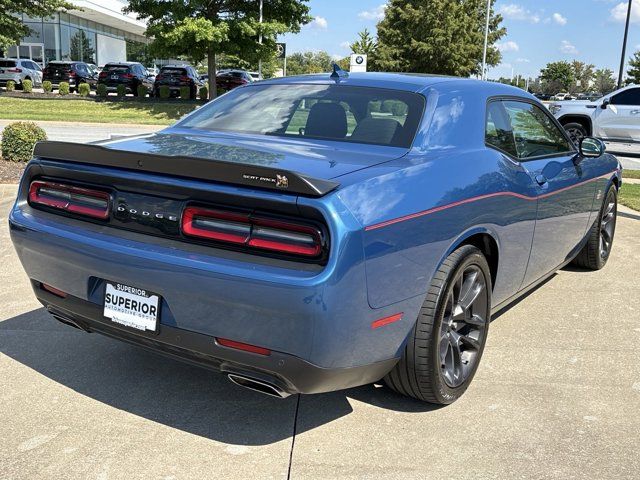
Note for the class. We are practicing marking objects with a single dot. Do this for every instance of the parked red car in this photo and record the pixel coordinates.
(230, 79)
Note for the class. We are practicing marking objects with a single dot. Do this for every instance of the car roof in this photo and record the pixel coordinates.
(413, 82)
(183, 65)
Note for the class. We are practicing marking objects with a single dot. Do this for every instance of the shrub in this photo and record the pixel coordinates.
(63, 88)
(47, 87)
(84, 89)
(101, 90)
(203, 93)
(185, 93)
(18, 140)
(121, 90)
(165, 92)
(142, 91)
(27, 86)
(11, 86)
(220, 91)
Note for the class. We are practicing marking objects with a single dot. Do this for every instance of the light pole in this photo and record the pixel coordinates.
(486, 42)
(260, 42)
(624, 45)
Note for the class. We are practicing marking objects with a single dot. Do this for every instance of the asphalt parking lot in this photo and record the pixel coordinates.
(557, 396)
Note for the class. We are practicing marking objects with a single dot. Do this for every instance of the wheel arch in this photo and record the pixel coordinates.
(584, 120)
(486, 241)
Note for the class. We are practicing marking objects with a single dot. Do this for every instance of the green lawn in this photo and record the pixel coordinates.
(62, 110)
(630, 174)
(630, 195)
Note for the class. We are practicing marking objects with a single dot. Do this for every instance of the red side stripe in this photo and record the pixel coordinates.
(480, 197)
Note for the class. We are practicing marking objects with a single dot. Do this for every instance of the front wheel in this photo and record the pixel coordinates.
(576, 132)
(444, 349)
(596, 252)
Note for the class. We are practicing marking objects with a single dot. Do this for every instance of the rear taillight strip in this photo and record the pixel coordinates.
(252, 231)
(82, 201)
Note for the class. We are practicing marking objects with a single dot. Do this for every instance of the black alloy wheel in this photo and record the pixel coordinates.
(445, 346)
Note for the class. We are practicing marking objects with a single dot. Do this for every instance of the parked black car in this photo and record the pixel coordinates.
(230, 79)
(177, 76)
(129, 74)
(71, 72)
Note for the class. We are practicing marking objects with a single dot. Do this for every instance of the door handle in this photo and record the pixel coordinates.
(635, 112)
(541, 179)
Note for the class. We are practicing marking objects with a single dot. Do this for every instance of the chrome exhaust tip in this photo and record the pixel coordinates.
(257, 385)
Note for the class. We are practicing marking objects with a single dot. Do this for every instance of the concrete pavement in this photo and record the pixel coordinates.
(557, 395)
(87, 132)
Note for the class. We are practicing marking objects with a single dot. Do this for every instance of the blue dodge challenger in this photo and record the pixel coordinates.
(314, 233)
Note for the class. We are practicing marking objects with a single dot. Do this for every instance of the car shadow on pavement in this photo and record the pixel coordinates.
(170, 392)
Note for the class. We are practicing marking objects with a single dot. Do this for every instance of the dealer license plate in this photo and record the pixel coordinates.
(131, 306)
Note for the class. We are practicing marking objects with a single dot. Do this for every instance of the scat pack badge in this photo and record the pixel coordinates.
(280, 181)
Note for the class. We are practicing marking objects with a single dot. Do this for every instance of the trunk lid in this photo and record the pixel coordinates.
(318, 159)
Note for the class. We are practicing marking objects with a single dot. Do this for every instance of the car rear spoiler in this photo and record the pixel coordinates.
(189, 167)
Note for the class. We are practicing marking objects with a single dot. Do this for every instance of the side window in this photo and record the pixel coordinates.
(628, 97)
(534, 132)
(498, 131)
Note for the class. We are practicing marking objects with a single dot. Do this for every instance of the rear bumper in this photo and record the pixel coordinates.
(288, 373)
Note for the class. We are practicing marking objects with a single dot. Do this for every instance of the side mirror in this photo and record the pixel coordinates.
(591, 147)
(605, 104)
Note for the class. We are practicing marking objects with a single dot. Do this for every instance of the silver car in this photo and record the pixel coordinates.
(19, 70)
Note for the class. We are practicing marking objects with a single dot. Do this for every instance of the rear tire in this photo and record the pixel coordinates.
(596, 252)
(445, 347)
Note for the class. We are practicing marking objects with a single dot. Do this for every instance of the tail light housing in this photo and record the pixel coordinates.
(128, 76)
(69, 198)
(184, 78)
(102, 75)
(253, 231)
(159, 76)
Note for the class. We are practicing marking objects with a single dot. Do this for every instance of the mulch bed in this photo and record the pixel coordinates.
(10, 172)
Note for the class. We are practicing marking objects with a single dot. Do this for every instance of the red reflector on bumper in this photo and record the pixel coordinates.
(387, 320)
(243, 346)
(55, 291)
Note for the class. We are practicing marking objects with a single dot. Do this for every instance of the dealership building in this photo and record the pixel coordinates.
(97, 32)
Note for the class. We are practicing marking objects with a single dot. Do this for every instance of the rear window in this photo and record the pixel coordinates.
(331, 112)
(7, 63)
(116, 68)
(173, 71)
(56, 67)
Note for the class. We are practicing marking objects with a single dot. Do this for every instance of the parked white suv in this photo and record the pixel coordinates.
(18, 70)
(614, 117)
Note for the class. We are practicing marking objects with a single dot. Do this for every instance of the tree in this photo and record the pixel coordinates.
(582, 73)
(366, 44)
(559, 75)
(633, 73)
(437, 36)
(12, 30)
(200, 29)
(603, 81)
(81, 49)
(301, 63)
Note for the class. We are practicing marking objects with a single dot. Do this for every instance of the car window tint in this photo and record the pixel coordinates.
(300, 117)
(173, 71)
(333, 112)
(498, 131)
(116, 68)
(628, 97)
(534, 132)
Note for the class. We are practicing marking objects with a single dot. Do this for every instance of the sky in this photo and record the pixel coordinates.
(538, 31)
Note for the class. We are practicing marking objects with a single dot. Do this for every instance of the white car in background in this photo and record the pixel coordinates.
(614, 117)
(19, 70)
